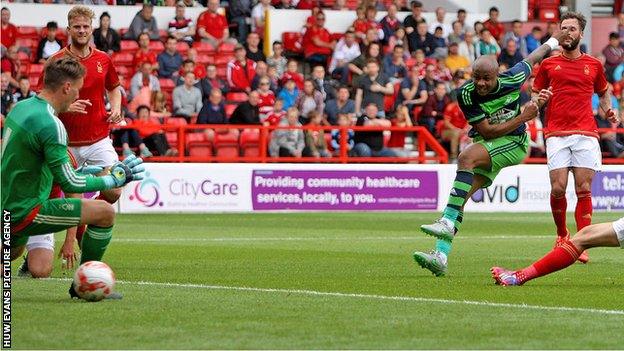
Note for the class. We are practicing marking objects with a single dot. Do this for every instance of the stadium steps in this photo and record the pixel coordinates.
(602, 7)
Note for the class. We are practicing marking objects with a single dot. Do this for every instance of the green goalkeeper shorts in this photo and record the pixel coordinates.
(54, 215)
(508, 150)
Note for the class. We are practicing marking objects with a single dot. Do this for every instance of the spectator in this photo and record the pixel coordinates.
(371, 143)
(413, 91)
(433, 111)
(240, 10)
(285, 5)
(266, 98)
(152, 138)
(394, 66)
(23, 92)
(254, 51)
(240, 71)
(343, 121)
(273, 78)
(488, 44)
(372, 88)
(510, 56)
(340, 5)
(181, 27)
(315, 144)
(210, 82)
(370, 37)
(275, 117)
(421, 39)
(187, 66)
(396, 142)
(439, 48)
(247, 112)
(311, 20)
(170, 60)
(442, 72)
(9, 31)
(390, 23)
(515, 34)
(371, 22)
(277, 59)
(478, 27)
(212, 27)
(143, 79)
(289, 94)
(551, 28)
(454, 60)
(144, 54)
(376, 4)
(439, 22)
(317, 43)
(493, 25)
(346, 50)
(187, 98)
(411, 21)
(310, 99)
(213, 109)
(360, 25)
(457, 34)
(10, 63)
(288, 142)
(430, 78)
(200, 70)
(321, 84)
(160, 110)
(461, 18)
(257, 16)
(468, 47)
(614, 55)
(533, 39)
(453, 128)
(341, 105)
(7, 96)
(106, 38)
(292, 72)
(143, 22)
(49, 45)
(261, 72)
(358, 65)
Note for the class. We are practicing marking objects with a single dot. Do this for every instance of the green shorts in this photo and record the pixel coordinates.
(54, 215)
(508, 150)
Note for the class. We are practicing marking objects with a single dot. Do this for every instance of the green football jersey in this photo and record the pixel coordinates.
(499, 106)
(34, 155)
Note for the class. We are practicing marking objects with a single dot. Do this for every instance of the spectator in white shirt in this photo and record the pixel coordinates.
(257, 16)
(347, 49)
(439, 22)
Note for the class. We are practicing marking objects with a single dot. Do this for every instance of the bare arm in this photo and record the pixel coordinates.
(538, 54)
(358, 101)
(605, 106)
(492, 131)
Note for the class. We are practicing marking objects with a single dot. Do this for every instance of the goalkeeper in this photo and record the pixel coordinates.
(34, 155)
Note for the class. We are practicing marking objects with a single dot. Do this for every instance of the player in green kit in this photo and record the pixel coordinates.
(491, 104)
(34, 155)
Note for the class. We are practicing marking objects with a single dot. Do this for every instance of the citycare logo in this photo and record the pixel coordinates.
(147, 192)
(498, 193)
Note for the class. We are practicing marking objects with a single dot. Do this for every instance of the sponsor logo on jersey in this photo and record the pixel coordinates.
(502, 115)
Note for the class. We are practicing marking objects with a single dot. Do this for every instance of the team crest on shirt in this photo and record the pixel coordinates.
(100, 69)
(586, 70)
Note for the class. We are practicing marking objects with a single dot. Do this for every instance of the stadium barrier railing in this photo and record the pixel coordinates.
(429, 150)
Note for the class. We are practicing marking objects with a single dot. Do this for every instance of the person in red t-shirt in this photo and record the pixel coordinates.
(9, 31)
(360, 25)
(317, 43)
(87, 120)
(267, 98)
(453, 127)
(240, 71)
(496, 28)
(292, 73)
(212, 27)
(568, 81)
(144, 54)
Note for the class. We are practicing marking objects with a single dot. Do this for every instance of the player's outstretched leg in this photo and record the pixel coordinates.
(564, 255)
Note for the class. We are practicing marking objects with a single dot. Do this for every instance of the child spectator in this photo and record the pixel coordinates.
(151, 136)
(343, 121)
(309, 100)
(315, 143)
(159, 106)
(266, 98)
(360, 25)
(277, 59)
(289, 94)
(292, 72)
(49, 45)
(288, 142)
(397, 138)
(275, 117)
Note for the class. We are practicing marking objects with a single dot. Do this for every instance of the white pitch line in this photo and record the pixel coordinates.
(368, 238)
(371, 296)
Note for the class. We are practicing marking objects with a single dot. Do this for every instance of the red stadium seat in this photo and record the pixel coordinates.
(172, 135)
(221, 60)
(203, 48)
(163, 34)
(156, 46)
(200, 149)
(291, 42)
(226, 47)
(226, 144)
(236, 97)
(35, 70)
(229, 109)
(129, 46)
(250, 142)
(182, 48)
(26, 32)
(222, 72)
(122, 31)
(352, 4)
(123, 59)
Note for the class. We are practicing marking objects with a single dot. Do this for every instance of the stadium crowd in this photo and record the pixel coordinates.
(213, 70)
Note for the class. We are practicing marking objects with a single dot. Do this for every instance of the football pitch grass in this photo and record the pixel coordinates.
(326, 281)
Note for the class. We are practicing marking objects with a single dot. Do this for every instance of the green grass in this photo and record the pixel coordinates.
(367, 254)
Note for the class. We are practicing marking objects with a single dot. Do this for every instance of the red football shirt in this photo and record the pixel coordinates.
(214, 23)
(573, 82)
(9, 34)
(265, 105)
(86, 129)
(309, 48)
(144, 56)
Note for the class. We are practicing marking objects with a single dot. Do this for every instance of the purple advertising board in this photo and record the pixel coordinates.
(344, 190)
(608, 191)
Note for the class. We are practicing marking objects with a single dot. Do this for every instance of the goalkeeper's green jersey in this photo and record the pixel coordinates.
(34, 155)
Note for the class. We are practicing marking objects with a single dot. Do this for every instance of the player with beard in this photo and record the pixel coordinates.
(87, 124)
(567, 81)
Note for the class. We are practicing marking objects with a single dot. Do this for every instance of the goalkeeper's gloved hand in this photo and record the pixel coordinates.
(122, 173)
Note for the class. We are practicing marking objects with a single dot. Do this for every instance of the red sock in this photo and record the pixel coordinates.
(79, 233)
(559, 258)
(583, 211)
(558, 206)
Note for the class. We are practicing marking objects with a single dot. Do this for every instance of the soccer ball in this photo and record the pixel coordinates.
(94, 280)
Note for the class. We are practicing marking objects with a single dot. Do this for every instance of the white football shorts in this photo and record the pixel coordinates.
(45, 241)
(576, 150)
(618, 226)
(101, 154)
